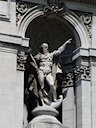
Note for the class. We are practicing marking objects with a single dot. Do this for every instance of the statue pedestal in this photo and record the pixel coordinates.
(45, 118)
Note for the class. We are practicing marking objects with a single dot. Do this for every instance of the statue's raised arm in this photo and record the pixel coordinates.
(62, 48)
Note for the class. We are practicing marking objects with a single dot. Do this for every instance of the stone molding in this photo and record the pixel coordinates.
(84, 52)
(93, 2)
(44, 110)
(14, 39)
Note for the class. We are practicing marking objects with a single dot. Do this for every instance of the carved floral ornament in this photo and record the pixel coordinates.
(21, 9)
(68, 80)
(86, 18)
(82, 72)
(79, 73)
(55, 8)
(21, 60)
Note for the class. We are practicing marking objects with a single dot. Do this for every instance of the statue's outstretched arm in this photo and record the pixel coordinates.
(62, 48)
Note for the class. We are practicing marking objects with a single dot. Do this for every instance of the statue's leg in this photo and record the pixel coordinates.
(41, 78)
(50, 82)
(41, 81)
(42, 92)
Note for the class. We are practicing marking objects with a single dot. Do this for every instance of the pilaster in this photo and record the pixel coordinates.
(93, 79)
(12, 59)
(68, 106)
(83, 93)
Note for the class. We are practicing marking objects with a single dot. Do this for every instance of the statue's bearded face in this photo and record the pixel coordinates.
(44, 47)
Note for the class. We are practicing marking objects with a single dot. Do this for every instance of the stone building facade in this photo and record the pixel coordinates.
(27, 23)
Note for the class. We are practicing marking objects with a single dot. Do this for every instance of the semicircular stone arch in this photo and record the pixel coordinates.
(70, 17)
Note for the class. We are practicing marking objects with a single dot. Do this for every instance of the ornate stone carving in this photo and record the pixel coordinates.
(79, 73)
(21, 60)
(21, 9)
(68, 80)
(87, 20)
(55, 8)
(82, 72)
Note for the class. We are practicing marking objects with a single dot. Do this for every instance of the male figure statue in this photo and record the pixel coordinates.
(45, 62)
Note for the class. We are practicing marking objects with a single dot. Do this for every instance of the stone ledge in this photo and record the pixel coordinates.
(14, 39)
(44, 110)
(83, 52)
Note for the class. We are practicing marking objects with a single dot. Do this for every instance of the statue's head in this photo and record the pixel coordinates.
(44, 47)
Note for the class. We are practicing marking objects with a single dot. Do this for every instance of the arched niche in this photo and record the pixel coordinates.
(69, 17)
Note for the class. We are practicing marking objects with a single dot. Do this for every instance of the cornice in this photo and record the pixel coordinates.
(92, 2)
(14, 39)
(83, 52)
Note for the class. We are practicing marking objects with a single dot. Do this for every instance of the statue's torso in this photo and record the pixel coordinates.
(46, 62)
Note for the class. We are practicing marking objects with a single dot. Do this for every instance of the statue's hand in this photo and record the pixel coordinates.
(69, 41)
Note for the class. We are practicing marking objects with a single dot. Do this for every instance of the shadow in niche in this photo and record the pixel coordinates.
(55, 31)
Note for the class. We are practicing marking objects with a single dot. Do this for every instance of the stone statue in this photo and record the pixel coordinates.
(46, 72)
